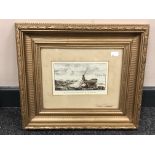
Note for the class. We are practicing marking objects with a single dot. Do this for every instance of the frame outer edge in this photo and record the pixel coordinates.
(22, 80)
(140, 76)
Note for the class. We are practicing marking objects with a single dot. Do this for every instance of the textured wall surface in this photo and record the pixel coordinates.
(8, 61)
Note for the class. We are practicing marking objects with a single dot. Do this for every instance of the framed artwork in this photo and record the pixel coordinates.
(80, 75)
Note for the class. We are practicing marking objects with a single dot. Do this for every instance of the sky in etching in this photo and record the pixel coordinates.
(74, 71)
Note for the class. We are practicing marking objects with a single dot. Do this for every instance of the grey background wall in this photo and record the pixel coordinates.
(8, 61)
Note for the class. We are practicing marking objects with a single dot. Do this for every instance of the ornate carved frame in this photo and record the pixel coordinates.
(31, 37)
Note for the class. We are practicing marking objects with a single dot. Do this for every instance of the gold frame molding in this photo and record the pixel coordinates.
(31, 37)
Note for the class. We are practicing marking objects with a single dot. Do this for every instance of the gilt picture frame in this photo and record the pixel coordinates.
(81, 75)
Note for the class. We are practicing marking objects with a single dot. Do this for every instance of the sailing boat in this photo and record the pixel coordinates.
(90, 84)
